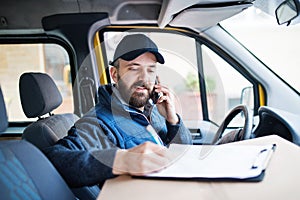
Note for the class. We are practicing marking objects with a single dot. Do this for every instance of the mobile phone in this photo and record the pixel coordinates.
(155, 95)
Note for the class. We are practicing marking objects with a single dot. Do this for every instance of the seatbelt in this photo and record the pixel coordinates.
(87, 93)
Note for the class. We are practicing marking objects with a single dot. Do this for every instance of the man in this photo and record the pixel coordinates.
(125, 133)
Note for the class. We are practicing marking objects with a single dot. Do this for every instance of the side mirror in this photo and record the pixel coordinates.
(286, 12)
(247, 97)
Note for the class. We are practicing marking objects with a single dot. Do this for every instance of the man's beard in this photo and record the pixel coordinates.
(133, 98)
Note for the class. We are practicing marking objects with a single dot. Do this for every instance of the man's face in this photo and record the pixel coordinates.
(135, 79)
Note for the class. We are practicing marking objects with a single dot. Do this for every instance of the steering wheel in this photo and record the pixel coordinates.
(245, 132)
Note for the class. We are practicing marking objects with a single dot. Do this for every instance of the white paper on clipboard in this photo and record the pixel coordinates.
(217, 162)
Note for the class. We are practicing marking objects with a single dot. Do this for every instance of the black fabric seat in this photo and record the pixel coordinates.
(3, 114)
(40, 96)
(25, 173)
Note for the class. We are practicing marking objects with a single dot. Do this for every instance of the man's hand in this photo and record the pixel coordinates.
(141, 160)
(166, 105)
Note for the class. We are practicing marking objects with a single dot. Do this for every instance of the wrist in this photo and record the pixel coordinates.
(119, 167)
(173, 120)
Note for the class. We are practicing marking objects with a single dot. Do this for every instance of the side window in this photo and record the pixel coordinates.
(224, 86)
(179, 72)
(16, 59)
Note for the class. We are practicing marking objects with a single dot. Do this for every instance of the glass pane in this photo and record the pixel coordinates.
(224, 86)
(16, 59)
(276, 46)
(179, 72)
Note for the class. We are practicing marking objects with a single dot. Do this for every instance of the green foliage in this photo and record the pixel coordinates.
(192, 82)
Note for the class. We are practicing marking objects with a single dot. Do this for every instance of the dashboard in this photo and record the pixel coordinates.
(273, 121)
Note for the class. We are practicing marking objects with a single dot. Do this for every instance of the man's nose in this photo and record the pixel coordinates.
(144, 75)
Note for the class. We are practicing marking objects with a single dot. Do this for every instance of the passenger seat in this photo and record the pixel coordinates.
(39, 96)
(3, 114)
(25, 173)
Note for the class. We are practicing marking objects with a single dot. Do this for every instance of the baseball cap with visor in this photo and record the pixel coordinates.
(132, 46)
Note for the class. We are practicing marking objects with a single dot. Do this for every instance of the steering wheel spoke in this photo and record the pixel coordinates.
(236, 135)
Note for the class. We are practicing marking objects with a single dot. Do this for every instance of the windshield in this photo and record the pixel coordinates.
(276, 46)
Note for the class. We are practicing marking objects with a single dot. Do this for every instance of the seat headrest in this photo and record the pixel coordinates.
(39, 94)
(3, 114)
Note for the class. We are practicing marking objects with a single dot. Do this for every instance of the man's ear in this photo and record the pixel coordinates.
(114, 74)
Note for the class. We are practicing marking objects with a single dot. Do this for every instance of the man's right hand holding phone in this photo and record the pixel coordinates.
(165, 102)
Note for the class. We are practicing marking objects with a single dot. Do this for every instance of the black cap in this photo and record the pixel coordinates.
(132, 46)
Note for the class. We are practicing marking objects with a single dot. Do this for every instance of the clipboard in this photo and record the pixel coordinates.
(217, 162)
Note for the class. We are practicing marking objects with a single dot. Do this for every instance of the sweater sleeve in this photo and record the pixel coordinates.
(84, 157)
(178, 133)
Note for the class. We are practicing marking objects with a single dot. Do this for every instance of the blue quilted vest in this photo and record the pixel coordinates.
(126, 126)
